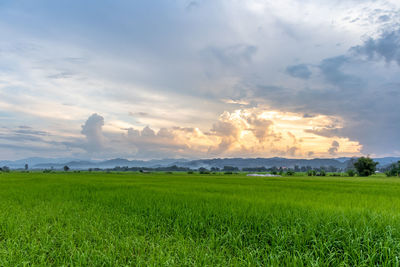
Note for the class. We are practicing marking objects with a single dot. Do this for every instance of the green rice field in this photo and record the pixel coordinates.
(179, 219)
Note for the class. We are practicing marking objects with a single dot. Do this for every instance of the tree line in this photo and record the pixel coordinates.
(363, 166)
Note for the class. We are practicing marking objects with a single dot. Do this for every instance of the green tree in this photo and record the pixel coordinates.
(311, 173)
(5, 169)
(365, 166)
(66, 168)
(394, 170)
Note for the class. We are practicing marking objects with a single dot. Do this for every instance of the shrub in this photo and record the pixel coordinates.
(351, 173)
(230, 168)
(203, 170)
(290, 173)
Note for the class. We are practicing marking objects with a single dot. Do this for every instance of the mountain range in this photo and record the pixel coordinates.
(81, 164)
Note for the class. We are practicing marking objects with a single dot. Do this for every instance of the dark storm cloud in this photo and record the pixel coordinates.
(386, 46)
(358, 89)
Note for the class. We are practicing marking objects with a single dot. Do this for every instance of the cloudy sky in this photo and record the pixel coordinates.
(199, 79)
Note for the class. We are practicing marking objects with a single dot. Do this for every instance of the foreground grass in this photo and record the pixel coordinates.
(180, 219)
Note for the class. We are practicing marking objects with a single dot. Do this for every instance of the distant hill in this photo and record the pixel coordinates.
(262, 162)
(16, 164)
(387, 161)
(77, 164)
(59, 163)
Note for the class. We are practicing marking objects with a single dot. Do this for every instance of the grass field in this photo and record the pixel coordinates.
(161, 219)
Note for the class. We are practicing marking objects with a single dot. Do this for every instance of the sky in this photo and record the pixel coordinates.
(199, 78)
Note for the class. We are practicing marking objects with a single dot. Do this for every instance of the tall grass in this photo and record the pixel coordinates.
(190, 219)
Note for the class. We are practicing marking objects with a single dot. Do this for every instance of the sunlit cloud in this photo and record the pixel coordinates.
(254, 132)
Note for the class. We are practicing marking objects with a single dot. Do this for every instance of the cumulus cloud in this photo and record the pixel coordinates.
(92, 129)
(260, 127)
(251, 132)
(147, 132)
(225, 128)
